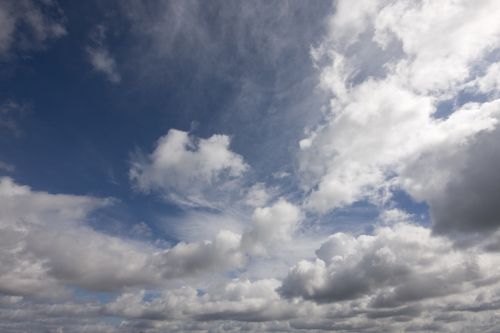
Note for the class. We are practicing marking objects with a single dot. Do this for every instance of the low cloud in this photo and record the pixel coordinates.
(397, 265)
(185, 169)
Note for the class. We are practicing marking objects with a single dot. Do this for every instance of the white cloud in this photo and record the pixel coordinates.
(389, 66)
(393, 267)
(241, 300)
(46, 246)
(258, 195)
(271, 226)
(185, 168)
(188, 259)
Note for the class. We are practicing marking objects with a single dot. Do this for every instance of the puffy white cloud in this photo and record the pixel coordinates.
(46, 245)
(271, 226)
(22, 205)
(240, 300)
(187, 259)
(185, 168)
(258, 195)
(388, 66)
(391, 268)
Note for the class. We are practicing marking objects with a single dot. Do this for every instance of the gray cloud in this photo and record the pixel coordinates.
(469, 203)
(395, 266)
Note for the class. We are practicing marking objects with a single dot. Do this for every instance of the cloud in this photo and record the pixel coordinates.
(389, 67)
(41, 26)
(7, 167)
(99, 56)
(188, 259)
(11, 114)
(258, 195)
(241, 300)
(467, 205)
(260, 50)
(47, 247)
(414, 107)
(185, 168)
(271, 226)
(395, 266)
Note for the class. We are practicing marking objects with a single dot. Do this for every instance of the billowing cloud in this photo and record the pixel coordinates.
(389, 77)
(187, 259)
(47, 245)
(396, 265)
(467, 204)
(184, 168)
(271, 226)
(239, 299)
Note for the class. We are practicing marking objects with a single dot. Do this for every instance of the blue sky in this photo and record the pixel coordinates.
(216, 166)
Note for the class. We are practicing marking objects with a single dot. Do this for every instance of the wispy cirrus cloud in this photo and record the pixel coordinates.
(44, 21)
(99, 55)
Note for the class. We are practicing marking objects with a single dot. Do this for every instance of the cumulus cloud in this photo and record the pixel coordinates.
(467, 204)
(185, 168)
(187, 259)
(401, 278)
(389, 67)
(394, 267)
(47, 245)
(44, 21)
(240, 300)
(271, 226)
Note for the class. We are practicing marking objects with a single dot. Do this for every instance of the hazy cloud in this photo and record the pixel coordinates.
(34, 15)
(100, 57)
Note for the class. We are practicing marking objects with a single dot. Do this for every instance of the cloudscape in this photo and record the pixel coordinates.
(259, 166)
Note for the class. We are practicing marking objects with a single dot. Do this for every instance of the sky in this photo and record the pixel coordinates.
(261, 166)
